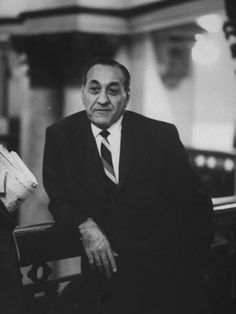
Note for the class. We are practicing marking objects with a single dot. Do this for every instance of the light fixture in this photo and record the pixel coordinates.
(212, 23)
(200, 161)
(229, 165)
(204, 51)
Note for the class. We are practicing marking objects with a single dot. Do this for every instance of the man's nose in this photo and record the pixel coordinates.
(103, 99)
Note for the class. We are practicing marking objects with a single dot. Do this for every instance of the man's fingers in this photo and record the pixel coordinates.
(112, 261)
(90, 258)
(115, 254)
(102, 261)
(106, 264)
(99, 254)
(98, 261)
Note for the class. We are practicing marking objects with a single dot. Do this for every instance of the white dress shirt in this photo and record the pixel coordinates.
(114, 140)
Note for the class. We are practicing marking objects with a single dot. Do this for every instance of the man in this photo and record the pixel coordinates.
(10, 281)
(123, 180)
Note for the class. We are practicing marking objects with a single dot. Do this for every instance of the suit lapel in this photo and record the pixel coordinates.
(131, 141)
(86, 152)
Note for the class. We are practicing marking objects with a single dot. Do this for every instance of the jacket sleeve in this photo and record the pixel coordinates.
(7, 219)
(65, 211)
(189, 197)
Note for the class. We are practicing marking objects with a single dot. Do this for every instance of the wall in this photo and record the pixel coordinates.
(215, 95)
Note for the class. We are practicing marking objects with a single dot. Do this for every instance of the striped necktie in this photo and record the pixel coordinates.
(107, 157)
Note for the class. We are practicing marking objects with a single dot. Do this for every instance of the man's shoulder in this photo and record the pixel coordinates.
(140, 119)
(69, 122)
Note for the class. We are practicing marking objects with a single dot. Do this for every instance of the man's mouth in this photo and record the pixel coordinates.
(102, 110)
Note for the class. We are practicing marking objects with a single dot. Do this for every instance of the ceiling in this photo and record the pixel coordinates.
(11, 8)
(102, 16)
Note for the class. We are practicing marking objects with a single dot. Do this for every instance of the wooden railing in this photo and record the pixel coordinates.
(44, 242)
(43, 245)
(41, 248)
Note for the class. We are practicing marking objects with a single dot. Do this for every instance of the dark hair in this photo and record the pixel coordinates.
(112, 63)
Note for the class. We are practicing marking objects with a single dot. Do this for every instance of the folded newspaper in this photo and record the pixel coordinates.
(17, 183)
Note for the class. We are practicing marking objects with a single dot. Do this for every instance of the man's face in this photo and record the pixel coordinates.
(104, 96)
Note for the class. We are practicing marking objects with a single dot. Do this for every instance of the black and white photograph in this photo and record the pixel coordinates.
(117, 157)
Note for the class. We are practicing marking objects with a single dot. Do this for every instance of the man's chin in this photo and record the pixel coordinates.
(101, 122)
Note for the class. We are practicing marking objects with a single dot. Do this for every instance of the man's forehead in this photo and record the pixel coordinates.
(105, 74)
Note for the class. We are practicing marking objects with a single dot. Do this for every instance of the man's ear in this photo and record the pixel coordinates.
(82, 93)
(128, 95)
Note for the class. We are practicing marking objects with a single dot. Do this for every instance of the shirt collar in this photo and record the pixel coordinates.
(112, 129)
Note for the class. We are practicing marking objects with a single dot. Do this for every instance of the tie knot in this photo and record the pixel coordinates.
(104, 133)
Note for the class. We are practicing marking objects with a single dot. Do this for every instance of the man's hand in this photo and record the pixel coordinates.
(97, 248)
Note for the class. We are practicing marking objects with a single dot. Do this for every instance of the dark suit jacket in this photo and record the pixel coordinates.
(158, 209)
(10, 285)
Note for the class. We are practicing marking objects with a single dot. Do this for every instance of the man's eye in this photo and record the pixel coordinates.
(113, 91)
(94, 90)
